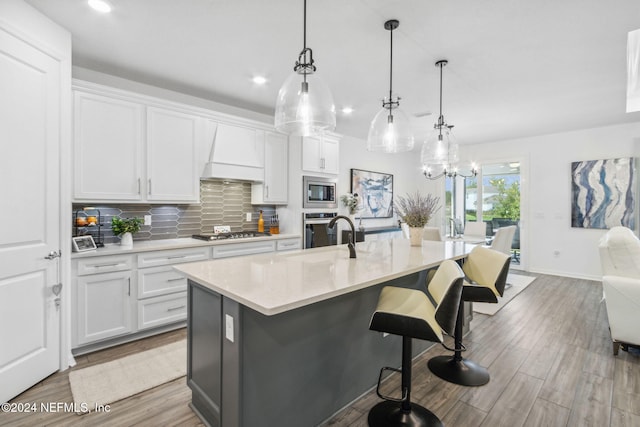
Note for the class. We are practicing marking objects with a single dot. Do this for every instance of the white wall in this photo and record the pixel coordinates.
(407, 174)
(546, 193)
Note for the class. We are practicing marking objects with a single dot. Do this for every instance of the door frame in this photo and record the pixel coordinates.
(524, 201)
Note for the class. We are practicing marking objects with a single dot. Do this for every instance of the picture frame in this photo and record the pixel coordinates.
(603, 193)
(375, 191)
(83, 243)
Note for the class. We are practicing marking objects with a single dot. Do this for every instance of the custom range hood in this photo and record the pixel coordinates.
(237, 153)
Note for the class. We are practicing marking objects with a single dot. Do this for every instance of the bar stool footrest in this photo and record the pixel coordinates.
(390, 414)
(463, 372)
(389, 398)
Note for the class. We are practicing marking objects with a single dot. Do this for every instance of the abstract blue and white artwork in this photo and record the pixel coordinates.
(603, 193)
(375, 190)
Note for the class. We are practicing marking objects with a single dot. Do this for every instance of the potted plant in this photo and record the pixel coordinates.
(416, 210)
(350, 201)
(125, 227)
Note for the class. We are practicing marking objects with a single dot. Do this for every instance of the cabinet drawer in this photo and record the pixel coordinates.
(161, 310)
(288, 245)
(177, 256)
(160, 281)
(238, 249)
(104, 264)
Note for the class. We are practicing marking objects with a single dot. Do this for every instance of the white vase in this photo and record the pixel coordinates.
(415, 235)
(126, 240)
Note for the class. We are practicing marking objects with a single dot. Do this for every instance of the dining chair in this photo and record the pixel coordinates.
(503, 239)
(474, 229)
(432, 233)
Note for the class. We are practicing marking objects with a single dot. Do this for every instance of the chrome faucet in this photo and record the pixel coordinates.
(352, 235)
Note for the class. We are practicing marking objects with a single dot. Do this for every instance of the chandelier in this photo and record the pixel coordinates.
(439, 154)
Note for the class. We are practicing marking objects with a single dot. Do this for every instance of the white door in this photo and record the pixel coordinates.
(30, 131)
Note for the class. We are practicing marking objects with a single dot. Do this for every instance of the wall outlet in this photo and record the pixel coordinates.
(248, 216)
(228, 327)
(147, 220)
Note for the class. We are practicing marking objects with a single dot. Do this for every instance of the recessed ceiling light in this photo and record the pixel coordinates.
(100, 5)
(347, 110)
(259, 80)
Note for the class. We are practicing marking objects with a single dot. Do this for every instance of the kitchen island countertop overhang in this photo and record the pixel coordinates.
(278, 282)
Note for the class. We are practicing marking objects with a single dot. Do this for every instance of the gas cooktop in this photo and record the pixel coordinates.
(233, 235)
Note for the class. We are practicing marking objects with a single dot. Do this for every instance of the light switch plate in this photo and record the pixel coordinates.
(248, 216)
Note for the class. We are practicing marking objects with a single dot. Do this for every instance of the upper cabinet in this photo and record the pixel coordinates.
(107, 148)
(128, 151)
(274, 189)
(172, 144)
(320, 154)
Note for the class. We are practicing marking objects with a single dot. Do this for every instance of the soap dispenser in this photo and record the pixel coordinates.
(260, 224)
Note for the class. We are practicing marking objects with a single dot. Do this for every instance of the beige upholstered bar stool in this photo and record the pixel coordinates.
(410, 313)
(487, 271)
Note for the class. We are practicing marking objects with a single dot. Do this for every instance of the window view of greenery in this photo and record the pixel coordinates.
(501, 198)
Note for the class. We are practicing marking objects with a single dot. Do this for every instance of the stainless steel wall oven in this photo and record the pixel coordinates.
(316, 232)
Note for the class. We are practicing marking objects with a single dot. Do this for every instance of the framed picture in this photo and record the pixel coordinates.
(603, 193)
(375, 190)
(83, 243)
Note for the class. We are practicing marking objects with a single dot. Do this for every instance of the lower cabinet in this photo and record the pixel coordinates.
(104, 306)
(117, 296)
(158, 311)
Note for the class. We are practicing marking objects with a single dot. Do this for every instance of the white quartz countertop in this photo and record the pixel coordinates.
(187, 242)
(278, 282)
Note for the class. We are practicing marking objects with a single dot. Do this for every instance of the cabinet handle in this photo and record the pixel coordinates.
(138, 185)
(149, 189)
(322, 163)
(176, 308)
(176, 256)
(266, 187)
(129, 287)
(107, 265)
(175, 279)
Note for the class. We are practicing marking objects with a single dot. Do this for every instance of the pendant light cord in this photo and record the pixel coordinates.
(390, 70)
(304, 27)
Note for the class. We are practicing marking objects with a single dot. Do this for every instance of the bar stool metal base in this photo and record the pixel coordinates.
(459, 371)
(389, 414)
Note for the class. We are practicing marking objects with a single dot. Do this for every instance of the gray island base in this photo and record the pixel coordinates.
(292, 369)
(283, 339)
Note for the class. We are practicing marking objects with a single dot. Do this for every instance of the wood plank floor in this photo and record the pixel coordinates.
(548, 352)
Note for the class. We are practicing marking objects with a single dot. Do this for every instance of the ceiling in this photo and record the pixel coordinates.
(516, 68)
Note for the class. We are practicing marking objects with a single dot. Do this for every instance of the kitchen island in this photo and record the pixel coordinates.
(282, 339)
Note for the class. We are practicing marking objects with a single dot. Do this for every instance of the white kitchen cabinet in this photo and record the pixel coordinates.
(107, 148)
(288, 244)
(103, 306)
(173, 140)
(274, 189)
(162, 296)
(320, 154)
(128, 151)
(159, 311)
(239, 249)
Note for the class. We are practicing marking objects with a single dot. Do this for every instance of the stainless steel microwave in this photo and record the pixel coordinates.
(319, 193)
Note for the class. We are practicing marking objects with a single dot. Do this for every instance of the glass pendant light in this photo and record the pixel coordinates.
(305, 105)
(390, 130)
